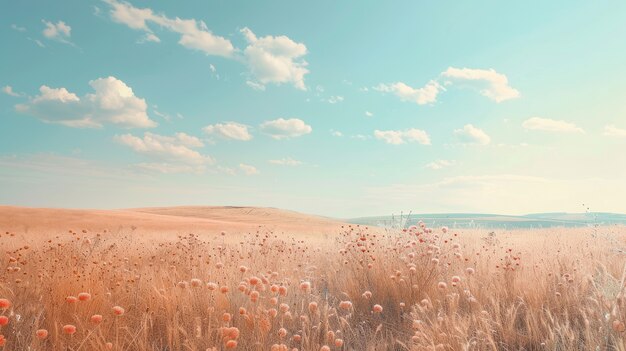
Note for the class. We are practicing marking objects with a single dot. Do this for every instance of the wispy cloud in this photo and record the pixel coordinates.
(472, 135)
(397, 137)
(488, 82)
(613, 131)
(269, 59)
(421, 96)
(175, 153)
(439, 164)
(59, 31)
(285, 128)
(286, 162)
(7, 89)
(229, 130)
(551, 125)
(248, 169)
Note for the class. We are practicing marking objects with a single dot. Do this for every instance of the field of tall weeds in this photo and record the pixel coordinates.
(414, 288)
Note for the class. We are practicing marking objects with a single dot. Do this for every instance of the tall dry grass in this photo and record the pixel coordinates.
(361, 289)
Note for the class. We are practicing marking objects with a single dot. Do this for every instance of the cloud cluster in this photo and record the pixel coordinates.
(113, 102)
(275, 59)
(472, 135)
(397, 137)
(193, 34)
(421, 96)
(489, 83)
(285, 128)
(270, 59)
(59, 31)
(172, 154)
(229, 130)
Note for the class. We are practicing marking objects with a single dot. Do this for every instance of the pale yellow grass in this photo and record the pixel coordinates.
(547, 289)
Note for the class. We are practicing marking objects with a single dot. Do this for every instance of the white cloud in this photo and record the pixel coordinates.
(172, 154)
(36, 41)
(270, 59)
(285, 128)
(286, 162)
(59, 31)
(551, 125)
(193, 34)
(7, 89)
(490, 83)
(472, 135)
(611, 130)
(336, 133)
(275, 59)
(229, 130)
(397, 137)
(149, 38)
(421, 96)
(439, 164)
(255, 85)
(113, 102)
(248, 169)
(369, 114)
(335, 99)
(18, 28)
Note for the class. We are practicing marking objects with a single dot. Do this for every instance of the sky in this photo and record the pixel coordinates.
(342, 109)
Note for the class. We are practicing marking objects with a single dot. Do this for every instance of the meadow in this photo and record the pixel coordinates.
(358, 288)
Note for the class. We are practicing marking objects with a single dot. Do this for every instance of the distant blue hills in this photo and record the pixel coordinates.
(493, 221)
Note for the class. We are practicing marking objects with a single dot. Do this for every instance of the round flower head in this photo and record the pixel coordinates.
(71, 299)
(69, 329)
(345, 305)
(96, 319)
(231, 344)
(41, 334)
(4, 303)
(118, 311)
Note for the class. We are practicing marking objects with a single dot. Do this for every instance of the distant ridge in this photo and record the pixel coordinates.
(483, 220)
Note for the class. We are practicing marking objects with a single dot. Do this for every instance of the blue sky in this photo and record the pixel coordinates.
(340, 109)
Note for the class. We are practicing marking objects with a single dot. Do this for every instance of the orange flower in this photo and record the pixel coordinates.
(69, 329)
(71, 299)
(231, 344)
(41, 334)
(4, 320)
(96, 319)
(4, 303)
(84, 296)
(118, 311)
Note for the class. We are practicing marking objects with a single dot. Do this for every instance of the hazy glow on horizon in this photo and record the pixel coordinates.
(476, 107)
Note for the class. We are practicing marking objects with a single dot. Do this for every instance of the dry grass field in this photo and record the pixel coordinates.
(169, 279)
